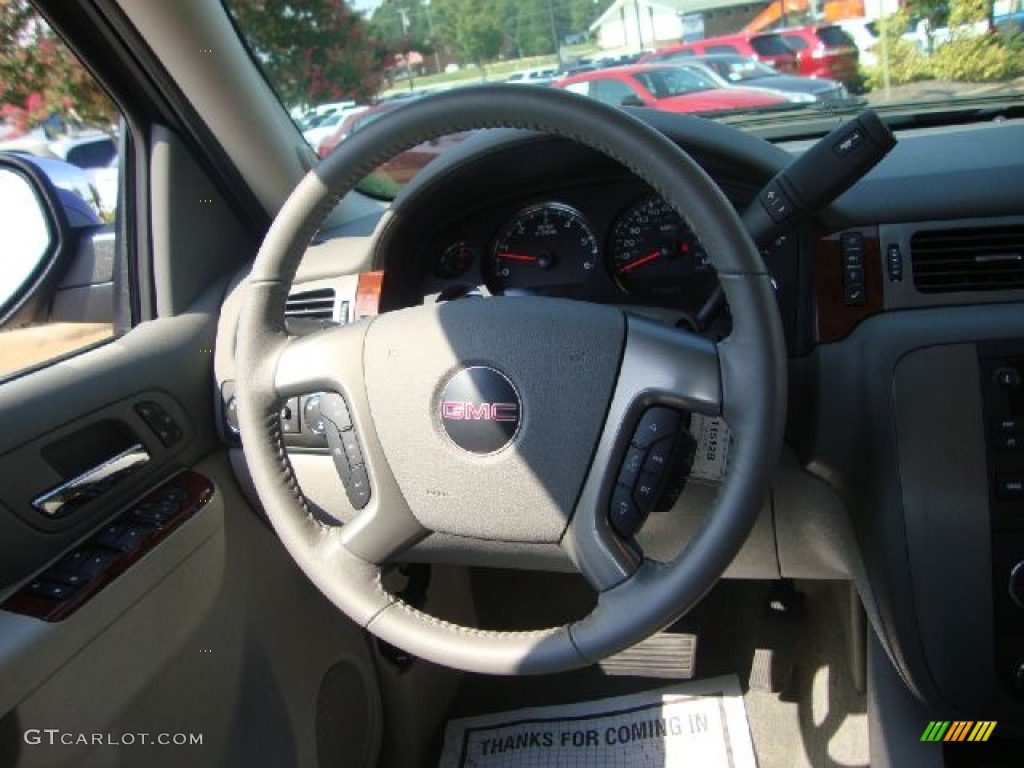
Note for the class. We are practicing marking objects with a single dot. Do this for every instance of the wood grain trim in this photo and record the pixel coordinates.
(198, 490)
(368, 292)
(835, 319)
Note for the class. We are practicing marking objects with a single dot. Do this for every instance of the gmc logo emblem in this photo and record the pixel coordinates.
(457, 410)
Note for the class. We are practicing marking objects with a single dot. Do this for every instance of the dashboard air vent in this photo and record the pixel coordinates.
(968, 259)
(311, 305)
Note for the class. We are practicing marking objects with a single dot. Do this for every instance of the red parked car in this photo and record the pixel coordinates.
(668, 88)
(767, 47)
(824, 52)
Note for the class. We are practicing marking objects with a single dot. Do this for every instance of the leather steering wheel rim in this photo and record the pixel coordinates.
(742, 378)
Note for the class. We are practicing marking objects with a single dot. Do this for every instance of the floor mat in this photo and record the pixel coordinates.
(699, 723)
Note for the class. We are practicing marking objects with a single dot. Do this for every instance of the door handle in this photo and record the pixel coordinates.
(76, 492)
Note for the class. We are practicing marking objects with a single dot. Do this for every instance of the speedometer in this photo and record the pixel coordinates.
(654, 253)
(543, 246)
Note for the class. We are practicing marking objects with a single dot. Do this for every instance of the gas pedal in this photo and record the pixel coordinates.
(667, 655)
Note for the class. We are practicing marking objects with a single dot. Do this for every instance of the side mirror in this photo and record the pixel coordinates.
(34, 224)
(632, 101)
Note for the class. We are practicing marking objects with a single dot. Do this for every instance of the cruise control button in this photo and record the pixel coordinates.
(359, 487)
(631, 466)
(623, 514)
(657, 422)
(350, 443)
(338, 454)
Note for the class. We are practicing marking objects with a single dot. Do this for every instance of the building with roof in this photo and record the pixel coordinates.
(646, 24)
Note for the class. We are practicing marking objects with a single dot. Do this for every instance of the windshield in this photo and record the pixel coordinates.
(907, 58)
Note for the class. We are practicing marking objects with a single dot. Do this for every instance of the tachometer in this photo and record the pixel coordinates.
(654, 253)
(542, 246)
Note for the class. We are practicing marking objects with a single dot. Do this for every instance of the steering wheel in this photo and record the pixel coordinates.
(508, 418)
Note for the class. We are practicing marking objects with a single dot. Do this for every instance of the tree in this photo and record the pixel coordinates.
(314, 50)
(470, 29)
(41, 81)
(402, 24)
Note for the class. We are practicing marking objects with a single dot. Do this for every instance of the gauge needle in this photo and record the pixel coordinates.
(641, 261)
(516, 256)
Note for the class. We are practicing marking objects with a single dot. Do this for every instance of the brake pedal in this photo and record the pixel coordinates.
(667, 655)
(778, 628)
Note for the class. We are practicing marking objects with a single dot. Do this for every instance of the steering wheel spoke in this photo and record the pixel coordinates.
(321, 361)
(665, 374)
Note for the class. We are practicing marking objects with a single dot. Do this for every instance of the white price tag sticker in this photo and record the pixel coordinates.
(713, 441)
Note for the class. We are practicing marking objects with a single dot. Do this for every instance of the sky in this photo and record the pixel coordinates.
(364, 5)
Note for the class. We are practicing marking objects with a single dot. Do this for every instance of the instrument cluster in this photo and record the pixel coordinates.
(643, 250)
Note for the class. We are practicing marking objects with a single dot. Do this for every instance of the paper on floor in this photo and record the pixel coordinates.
(701, 723)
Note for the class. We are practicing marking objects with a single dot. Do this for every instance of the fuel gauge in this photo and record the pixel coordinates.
(454, 261)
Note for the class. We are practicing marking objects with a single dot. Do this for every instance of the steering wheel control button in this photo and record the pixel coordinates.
(480, 410)
(631, 466)
(229, 405)
(658, 456)
(350, 444)
(311, 415)
(656, 423)
(334, 408)
(359, 487)
(331, 414)
(623, 514)
(290, 416)
(338, 455)
(645, 491)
